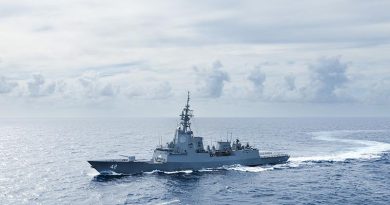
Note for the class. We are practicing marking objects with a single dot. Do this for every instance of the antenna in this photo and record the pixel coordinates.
(227, 136)
(188, 97)
(186, 115)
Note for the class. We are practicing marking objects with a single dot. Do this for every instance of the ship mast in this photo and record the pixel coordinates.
(186, 115)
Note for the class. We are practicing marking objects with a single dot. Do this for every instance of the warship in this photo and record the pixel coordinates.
(186, 152)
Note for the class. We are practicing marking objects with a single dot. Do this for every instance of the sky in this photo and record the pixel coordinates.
(124, 58)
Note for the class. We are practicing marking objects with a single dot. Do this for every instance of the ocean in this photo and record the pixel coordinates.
(333, 161)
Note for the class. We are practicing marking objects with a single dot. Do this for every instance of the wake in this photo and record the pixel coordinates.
(365, 150)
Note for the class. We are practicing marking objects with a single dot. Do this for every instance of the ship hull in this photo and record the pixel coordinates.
(136, 167)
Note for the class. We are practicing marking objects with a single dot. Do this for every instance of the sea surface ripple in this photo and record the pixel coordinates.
(333, 161)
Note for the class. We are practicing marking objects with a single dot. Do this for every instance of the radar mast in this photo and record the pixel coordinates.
(186, 115)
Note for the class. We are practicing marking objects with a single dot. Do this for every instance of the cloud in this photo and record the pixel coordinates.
(285, 91)
(6, 86)
(38, 87)
(211, 81)
(114, 69)
(108, 90)
(257, 78)
(93, 86)
(134, 93)
(324, 81)
(379, 92)
(327, 76)
(161, 90)
(261, 22)
(289, 81)
(133, 50)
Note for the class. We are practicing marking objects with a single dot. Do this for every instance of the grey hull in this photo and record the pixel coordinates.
(136, 167)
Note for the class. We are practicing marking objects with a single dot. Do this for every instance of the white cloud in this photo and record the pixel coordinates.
(211, 81)
(257, 78)
(284, 91)
(6, 86)
(163, 91)
(290, 82)
(325, 80)
(90, 86)
(38, 87)
(160, 91)
(378, 93)
(327, 77)
(108, 90)
(115, 53)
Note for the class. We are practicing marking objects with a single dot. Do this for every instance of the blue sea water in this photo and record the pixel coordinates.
(333, 161)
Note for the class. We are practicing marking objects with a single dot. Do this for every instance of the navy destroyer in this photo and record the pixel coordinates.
(186, 152)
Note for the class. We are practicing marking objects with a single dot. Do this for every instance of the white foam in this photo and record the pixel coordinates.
(170, 202)
(247, 168)
(152, 172)
(207, 170)
(365, 149)
(172, 172)
(111, 173)
(181, 171)
(92, 173)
